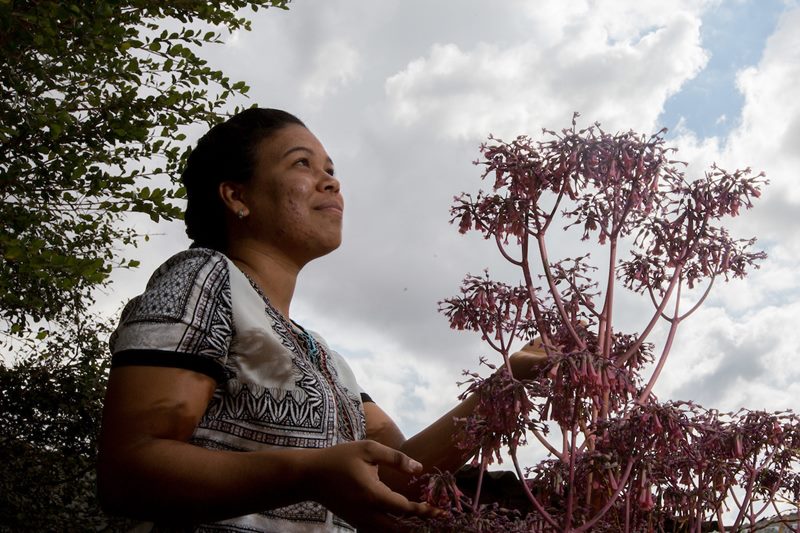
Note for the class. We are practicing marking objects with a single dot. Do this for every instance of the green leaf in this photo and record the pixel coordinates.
(12, 253)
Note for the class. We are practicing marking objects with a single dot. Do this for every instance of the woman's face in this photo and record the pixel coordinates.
(293, 200)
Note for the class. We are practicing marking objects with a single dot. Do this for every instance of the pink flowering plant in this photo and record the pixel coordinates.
(618, 459)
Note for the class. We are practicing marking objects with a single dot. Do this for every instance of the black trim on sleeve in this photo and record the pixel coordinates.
(165, 358)
(366, 398)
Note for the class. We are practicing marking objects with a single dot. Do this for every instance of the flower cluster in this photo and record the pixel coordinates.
(499, 312)
(504, 415)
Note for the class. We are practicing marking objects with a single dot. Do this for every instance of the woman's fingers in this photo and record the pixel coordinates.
(355, 492)
(535, 345)
(393, 502)
(383, 455)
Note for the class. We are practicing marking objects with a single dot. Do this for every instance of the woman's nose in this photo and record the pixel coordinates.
(329, 183)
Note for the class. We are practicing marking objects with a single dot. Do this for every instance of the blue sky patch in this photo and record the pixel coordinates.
(734, 33)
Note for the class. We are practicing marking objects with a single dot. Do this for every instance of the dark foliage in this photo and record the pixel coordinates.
(95, 100)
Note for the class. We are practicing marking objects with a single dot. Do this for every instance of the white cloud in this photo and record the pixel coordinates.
(605, 19)
(728, 363)
(770, 129)
(632, 57)
(335, 64)
(740, 346)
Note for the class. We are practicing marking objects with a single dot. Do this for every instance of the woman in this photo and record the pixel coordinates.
(222, 413)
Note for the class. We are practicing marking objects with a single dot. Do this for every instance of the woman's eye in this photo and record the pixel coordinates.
(303, 162)
(330, 171)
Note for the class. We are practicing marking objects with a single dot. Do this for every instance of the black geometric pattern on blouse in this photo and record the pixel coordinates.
(300, 512)
(349, 410)
(177, 294)
(349, 413)
(212, 315)
(246, 410)
(168, 291)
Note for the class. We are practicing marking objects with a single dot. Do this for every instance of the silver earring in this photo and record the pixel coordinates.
(240, 214)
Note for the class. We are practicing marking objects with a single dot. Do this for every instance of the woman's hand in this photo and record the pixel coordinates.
(347, 483)
(525, 362)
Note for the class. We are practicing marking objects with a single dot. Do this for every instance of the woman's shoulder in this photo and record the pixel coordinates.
(183, 267)
(191, 256)
(180, 280)
(183, 314)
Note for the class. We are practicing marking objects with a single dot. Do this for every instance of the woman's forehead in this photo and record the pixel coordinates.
(288, 140)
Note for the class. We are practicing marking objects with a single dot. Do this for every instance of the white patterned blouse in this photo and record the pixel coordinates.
(278, 385)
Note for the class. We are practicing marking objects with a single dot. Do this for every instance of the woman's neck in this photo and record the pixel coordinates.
(274, 273)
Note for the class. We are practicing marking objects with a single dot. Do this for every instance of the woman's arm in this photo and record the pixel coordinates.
(436, 446)
(148, 470)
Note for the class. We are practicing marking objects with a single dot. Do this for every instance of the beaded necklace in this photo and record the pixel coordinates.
(313, 350)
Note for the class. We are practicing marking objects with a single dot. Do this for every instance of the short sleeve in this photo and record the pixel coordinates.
(183, 319)
(365, 398)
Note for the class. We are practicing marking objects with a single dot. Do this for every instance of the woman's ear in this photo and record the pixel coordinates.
(232, 195)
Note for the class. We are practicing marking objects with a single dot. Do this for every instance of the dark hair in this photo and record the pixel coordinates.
(226, 153)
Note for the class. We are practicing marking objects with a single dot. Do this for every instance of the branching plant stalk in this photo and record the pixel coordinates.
(590, 385)
(607, 313)
(556, 294)
(673, 329)
(533, 499)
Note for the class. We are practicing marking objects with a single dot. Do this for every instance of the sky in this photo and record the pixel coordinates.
(402, 93)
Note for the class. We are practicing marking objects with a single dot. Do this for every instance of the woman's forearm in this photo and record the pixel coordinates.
(164, 480)
(174, 482)
(438, 446)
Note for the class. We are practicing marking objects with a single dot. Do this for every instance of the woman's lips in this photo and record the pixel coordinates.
(333, 207)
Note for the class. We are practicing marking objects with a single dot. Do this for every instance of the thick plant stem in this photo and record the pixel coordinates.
(664, 353)
(534, 301)
(476, 501)
(606, 314)
(503, 249)
(656, 316)
(566, 319)
(571, 492)
(533, 499)
(587, 526)
(546, 443)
